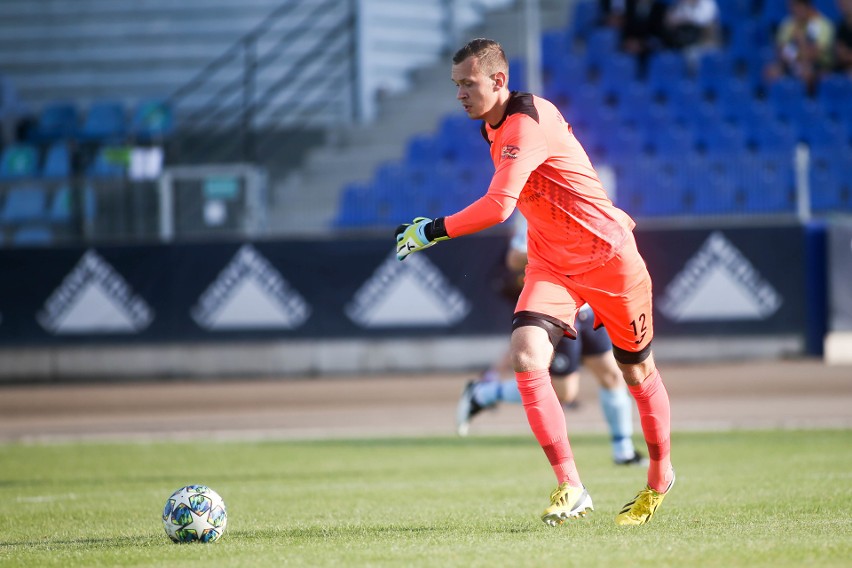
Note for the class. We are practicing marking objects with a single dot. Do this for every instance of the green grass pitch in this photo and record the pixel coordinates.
(772, 498)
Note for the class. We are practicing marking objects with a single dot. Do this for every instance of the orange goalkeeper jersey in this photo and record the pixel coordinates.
(542, 169)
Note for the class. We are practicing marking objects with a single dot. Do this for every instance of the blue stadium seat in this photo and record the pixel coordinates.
(771, 137)
(715, 71)
(57, 121)
(104, 123)
(423, 149)
(356, 208)
(61, 207)
(770, 184)
(555, 51)
(834, 93)
(33, 235)
(830, 193)
(110, 162)
(669, 140)
(634, 99)
(57, 162)
(665, 67)
(713, 195)
(584, 19)
(619, 71)
(735, 93)
(24, 203)
(19, 161)
(816, 130)
(680, 94)
(153, 120)
(786, 94)
(721, 137)
(601, 45)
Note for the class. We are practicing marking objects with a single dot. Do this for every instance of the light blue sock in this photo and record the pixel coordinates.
(617, 409)
(489, 393)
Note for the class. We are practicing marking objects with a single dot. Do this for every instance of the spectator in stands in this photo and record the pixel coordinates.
(639, 23)
(843, 39)
(692, 26)
(803, 43)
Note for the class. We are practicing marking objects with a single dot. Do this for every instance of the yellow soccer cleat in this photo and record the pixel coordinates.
(567, 502)
(642, 508)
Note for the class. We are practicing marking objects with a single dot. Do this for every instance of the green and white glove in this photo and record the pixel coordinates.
(411, 237)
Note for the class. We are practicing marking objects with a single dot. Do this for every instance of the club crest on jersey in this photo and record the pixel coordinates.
(510, 151)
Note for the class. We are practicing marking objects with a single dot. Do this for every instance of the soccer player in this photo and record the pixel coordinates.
(581, 251)
(592, 347)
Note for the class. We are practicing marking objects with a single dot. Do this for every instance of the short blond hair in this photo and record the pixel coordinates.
(490, 54)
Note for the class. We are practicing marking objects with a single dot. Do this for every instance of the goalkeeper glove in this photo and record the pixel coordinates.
(419, 234)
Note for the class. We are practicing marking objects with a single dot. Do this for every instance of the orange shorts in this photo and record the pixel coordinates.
(619, 292)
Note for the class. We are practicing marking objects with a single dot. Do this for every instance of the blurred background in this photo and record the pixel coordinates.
(209, 188)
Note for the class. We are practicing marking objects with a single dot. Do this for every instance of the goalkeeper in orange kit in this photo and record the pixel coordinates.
(581, 250)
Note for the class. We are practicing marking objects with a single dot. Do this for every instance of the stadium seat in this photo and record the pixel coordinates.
(715, 71)
(681, 94)
(601, 45)
(720, 137)
(712, 195)
(19, 161)
(356, 208)
(665, 67)
(110, 162)
(786, 94)
(584, 19)
(834, 93)
(24, 203)
(770, 184)
(423, 149)
(619, 71)
(61, 206)
(152, 121)
(670, 141)
(771, 137)
(830, 192)
(57, 121)
(57, 162)
(104, 123)
(32, 235)
(816, 130)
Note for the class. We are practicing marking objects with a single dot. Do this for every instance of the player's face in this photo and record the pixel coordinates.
(477, 92)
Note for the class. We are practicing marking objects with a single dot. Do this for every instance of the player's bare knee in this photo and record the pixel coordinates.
(634, 365)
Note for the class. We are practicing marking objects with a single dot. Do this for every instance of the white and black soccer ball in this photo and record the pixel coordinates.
(195, 513)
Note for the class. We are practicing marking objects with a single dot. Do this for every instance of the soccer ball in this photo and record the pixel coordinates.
(195, 513)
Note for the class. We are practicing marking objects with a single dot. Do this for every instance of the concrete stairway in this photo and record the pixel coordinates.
(306, 201)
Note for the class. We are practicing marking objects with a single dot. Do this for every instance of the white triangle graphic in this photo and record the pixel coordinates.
(250, 306)
(720, 297)
(413, 293)
(250, 293)
(719, 283)
(406, 302)
(94, 311)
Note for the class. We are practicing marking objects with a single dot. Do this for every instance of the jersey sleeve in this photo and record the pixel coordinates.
(522, 148)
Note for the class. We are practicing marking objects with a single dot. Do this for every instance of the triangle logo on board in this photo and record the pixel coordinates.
(719, 283)
(413, 293)
(249, 293)
(94, 298)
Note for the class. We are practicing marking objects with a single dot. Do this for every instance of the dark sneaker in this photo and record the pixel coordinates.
(467, 408)
(637, 460)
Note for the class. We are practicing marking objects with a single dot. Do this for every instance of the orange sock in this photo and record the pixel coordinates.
(652, 401)
(547, 421)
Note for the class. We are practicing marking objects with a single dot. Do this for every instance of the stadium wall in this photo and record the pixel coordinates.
(311, 307)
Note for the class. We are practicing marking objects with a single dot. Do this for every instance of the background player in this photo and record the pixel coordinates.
(581, 250)
(592, 347)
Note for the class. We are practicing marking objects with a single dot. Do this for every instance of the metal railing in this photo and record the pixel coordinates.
(294, 69)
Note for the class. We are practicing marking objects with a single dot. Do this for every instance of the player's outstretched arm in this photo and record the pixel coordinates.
(419, 234)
